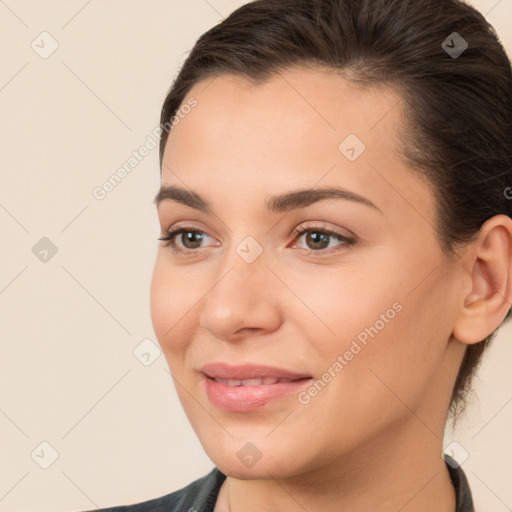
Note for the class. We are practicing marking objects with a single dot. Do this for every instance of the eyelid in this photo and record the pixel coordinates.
(320, 226)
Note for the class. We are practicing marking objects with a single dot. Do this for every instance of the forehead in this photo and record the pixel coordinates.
(286, 114)
(304, 100)
(298, 128)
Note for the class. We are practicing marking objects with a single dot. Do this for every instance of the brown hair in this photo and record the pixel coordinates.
(458, 107)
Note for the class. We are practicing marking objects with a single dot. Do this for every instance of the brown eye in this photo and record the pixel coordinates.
(193, 237)
(317, 239)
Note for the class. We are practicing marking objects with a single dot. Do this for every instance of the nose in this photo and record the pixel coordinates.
(243, 299)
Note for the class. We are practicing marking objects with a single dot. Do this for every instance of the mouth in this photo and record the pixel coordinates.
(250, 387)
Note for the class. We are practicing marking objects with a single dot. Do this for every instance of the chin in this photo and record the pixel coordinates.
(243, 459)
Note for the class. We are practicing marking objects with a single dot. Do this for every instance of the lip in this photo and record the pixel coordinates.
(248, 371)
(248, 398)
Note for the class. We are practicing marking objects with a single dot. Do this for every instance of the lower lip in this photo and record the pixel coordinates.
(249, 398)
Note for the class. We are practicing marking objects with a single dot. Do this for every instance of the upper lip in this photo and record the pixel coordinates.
(248, 371)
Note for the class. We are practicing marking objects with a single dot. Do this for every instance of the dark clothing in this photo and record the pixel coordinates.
(201, 495)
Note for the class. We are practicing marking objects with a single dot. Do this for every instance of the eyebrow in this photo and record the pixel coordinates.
(275, 204)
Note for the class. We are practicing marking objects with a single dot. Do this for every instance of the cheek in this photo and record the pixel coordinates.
(171, 305)
(382, 324)
(399, 360)
(345, 303)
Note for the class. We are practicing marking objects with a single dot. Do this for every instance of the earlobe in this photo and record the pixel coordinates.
(488, 268)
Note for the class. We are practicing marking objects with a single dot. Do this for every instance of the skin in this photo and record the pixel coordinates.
(372, 438)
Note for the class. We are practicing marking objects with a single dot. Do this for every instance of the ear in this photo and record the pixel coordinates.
(487, 268)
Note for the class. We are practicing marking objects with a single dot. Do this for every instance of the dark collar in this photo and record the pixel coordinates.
(464, 500)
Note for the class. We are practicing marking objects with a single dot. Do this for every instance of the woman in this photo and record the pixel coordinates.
(336, 250)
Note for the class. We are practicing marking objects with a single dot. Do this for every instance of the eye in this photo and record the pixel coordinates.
(317, 239)
(193, 237)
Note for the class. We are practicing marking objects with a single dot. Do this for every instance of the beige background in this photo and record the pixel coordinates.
(70, 325)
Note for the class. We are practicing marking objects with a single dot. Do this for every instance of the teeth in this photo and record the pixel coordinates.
(251, 382)
(258, 382)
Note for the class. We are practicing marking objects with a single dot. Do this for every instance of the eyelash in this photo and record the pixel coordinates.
(173, 233)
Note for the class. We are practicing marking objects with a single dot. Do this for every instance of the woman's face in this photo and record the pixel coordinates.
(366, 313)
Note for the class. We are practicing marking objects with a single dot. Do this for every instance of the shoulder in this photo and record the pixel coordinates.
(198, 496)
